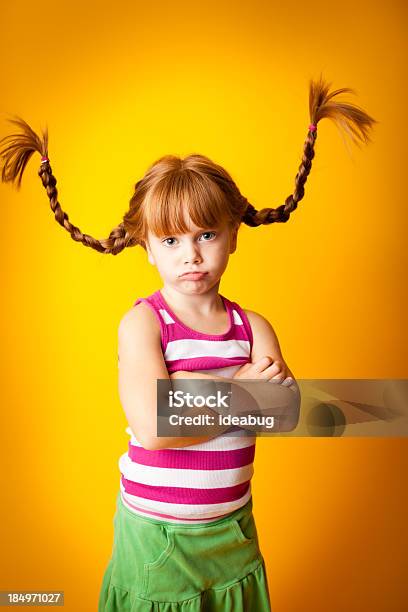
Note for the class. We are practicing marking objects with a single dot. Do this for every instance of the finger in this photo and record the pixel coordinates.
(274, 370)
(262, 363)
(280, 377)
(269, 374)
(295, 387)
(291, 384)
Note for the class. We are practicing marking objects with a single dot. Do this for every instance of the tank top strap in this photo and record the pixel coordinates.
(241, 320)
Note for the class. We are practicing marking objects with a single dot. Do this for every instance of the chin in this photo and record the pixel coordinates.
(194, 287)
(189, 286)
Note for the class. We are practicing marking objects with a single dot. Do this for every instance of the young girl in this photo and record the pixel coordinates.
(185, 538)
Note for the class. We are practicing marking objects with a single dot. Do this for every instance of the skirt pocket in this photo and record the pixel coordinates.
(138, 546)
(162, 553)
(245, 529)
(238, 531)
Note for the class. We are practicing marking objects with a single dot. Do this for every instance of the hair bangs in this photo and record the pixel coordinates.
(178, 199)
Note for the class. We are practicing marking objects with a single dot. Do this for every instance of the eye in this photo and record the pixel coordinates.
(206, 234)
(165, 241)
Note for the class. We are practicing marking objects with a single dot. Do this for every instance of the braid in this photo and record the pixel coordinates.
(18, 148)
(350, 117)
(17, 153)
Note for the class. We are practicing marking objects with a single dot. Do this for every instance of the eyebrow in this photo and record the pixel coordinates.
(200, 231)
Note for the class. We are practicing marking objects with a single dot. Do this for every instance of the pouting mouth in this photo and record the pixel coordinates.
(193, 272)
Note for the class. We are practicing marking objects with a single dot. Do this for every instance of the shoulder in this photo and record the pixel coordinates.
(258, 321)
(265, 340)
(255, 317)
(139, 320)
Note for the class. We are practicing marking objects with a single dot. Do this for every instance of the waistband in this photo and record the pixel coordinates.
(236, 514)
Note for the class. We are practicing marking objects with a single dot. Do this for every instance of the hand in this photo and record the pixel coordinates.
(266, 369)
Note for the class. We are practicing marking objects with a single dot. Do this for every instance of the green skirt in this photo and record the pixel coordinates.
(158, 566)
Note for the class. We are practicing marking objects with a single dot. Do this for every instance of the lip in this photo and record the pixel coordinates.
(193, 275)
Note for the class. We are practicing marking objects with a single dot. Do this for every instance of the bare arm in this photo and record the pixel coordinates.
(266, 343)
(141, 363)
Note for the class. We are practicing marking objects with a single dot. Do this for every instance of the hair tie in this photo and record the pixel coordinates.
(44, 159)
(312, 127)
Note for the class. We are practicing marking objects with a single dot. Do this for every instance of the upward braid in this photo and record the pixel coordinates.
(350, 117)
(18, 148)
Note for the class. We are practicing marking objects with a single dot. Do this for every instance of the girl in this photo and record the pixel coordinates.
(185, 537)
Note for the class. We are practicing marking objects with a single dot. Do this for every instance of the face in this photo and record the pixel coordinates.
(204, 250)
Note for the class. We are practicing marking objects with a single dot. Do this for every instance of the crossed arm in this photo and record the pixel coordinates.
(265, 343)
(141, 364)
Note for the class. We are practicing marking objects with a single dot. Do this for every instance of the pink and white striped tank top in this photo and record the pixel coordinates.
(202, 482)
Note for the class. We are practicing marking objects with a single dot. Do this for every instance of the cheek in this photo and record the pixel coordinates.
(165, 264)
(220, 254)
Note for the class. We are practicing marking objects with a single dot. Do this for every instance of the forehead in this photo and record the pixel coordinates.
(192, 228)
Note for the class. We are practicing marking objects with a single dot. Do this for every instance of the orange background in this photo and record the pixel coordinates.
(120, 84)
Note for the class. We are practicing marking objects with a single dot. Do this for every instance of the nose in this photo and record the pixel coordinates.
(192, 254)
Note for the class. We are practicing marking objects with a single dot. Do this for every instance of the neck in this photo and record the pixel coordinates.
(205, 304)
